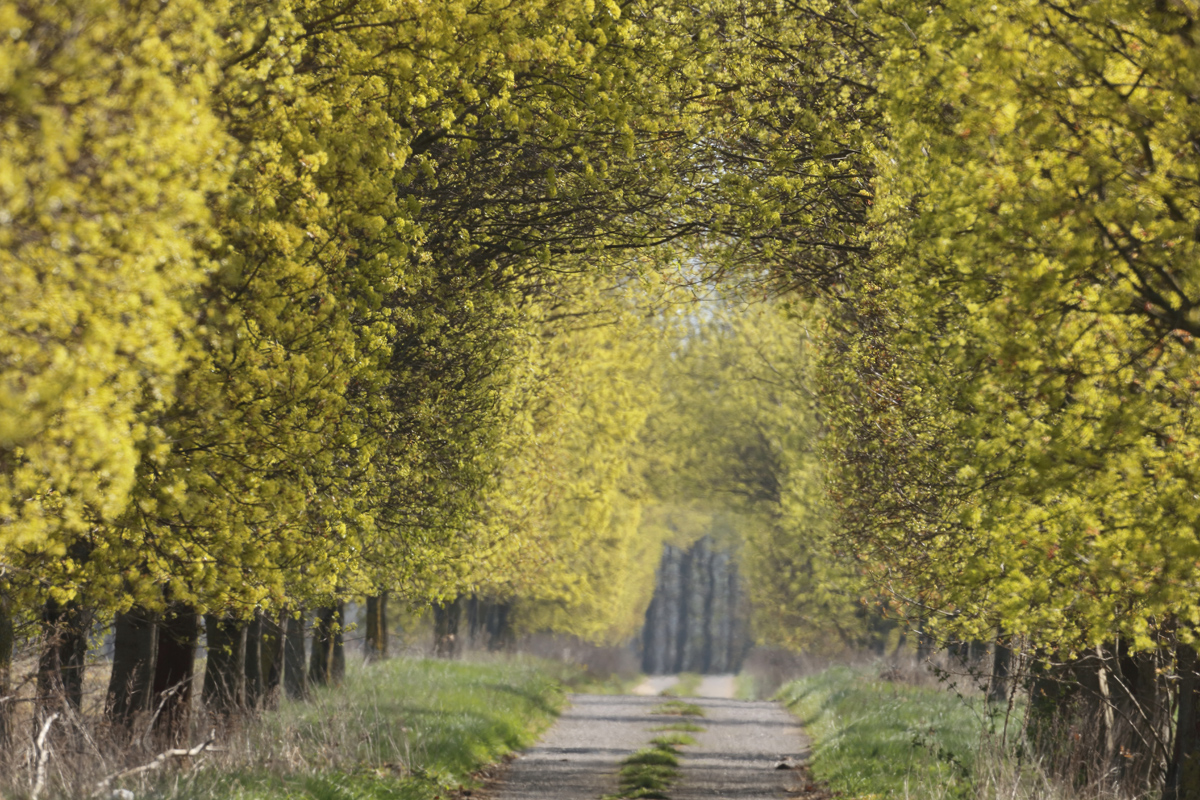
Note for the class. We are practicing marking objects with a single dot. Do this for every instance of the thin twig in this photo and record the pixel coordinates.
(159, 760)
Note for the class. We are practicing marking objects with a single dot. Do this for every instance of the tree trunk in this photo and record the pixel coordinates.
(337, 661)
(174, 669)
(225, 673)
(7, 638)
(1183, 774)
(327, 664)
(1147, 734)
(377, 630)
(61, 663)
(135, 649)
(255, 681)
(499, 626)
(445, 628)
(295, 673)
(1001, 666)
(274, 633)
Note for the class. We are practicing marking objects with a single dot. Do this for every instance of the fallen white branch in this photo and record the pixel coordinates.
(40, 755)
(159, 760)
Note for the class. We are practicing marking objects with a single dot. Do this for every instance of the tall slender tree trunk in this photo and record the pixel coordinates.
(446, 618)
(274, 633)
(295, 672)
(135, 649)
(1148, 737)
(377, 630)
(61, 663)
(500, 630)
(255, 680)
(7, 639)
(1001, 667)
(1183, 774)
(327, 663)
(225, 673)
(174, 669)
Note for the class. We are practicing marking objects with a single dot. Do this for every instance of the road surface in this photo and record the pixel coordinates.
(736, 756)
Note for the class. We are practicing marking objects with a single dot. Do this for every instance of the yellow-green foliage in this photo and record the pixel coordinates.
(744, 428)
(108, 152)
(567, 510)
(286, 294)
(1016, 434)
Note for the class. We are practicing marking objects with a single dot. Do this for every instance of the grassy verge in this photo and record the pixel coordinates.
(876, 739)
(404, 729)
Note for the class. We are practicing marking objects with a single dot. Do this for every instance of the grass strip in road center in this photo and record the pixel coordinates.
(683, 725)
(648, 773)
(678, 708)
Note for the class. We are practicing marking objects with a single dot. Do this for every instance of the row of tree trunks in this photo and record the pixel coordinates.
(697, 620)
(154, 664)
(471, 622)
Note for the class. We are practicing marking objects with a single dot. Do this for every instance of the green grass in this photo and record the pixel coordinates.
(678, 708)
(673, 739)
(648, 773)
(872, 738)
(688, 685)
(400, 730)
(686, 727)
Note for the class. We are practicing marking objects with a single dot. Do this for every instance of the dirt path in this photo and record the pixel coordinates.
(655, 685)
(734, 757)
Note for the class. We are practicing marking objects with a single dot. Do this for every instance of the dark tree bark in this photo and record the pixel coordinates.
(1183, 774)
(61, 663)
(135, 649)
(327, 664)
(7, 638)
(1001, 666)
(295, 672)
(255, 680)
(178, 633)
(225, 674)
(377, 630)
(499, 627)
(446, 617)
(1144, 712)
(274, 633)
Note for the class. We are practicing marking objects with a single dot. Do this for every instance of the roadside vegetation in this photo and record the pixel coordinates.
(405, 728)
(877, 738)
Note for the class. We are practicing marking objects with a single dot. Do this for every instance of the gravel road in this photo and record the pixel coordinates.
(734, 757)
